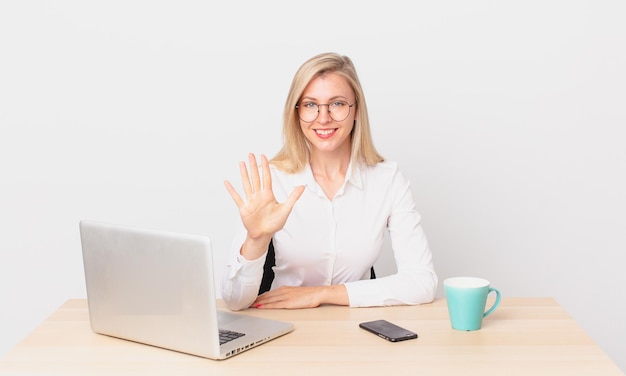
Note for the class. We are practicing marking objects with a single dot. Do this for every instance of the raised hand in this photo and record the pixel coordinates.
(260, 213)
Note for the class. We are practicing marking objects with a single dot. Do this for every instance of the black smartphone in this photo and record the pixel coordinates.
(390, 332)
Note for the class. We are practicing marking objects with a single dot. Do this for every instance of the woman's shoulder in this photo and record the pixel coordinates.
(383, 167)
(387, 170)
(388, 164)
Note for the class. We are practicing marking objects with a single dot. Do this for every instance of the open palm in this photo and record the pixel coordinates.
(260, 213)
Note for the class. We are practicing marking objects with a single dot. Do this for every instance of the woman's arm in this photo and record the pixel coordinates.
(262, 215)
(302, 297)
(415, 281)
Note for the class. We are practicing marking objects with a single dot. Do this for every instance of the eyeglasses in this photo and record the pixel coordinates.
(309, 111)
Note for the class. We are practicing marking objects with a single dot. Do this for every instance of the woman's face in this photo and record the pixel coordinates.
(329, 131)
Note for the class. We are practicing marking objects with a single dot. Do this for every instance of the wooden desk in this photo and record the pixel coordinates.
(524, 336)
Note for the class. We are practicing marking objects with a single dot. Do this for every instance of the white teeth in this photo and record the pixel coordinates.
(324, 132)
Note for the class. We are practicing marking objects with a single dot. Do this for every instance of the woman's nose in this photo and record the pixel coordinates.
(324, 113)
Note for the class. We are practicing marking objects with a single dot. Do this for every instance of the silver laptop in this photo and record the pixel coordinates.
(158, 288)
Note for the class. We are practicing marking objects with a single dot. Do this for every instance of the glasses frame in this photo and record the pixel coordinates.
(330, 113)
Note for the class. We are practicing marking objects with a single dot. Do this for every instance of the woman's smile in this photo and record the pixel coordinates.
(325, 133)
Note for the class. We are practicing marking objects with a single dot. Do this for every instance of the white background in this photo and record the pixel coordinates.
(508, 117)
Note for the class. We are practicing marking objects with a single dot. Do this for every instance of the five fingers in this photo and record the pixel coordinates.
(252, 182)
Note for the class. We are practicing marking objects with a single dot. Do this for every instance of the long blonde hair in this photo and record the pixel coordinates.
(294, 155)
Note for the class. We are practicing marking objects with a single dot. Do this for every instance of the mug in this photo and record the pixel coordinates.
(467, 299)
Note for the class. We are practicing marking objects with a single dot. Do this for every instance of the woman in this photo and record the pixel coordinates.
(324, 201)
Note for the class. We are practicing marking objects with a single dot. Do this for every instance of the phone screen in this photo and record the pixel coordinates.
(389, 331)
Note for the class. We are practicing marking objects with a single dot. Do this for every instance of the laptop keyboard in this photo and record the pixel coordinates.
(228, 335)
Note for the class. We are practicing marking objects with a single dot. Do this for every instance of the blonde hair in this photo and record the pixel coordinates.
(294, 155)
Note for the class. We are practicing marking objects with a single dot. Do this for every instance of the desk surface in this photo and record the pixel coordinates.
(524, 336)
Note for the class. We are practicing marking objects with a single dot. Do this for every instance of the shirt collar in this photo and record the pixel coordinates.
(305, 177)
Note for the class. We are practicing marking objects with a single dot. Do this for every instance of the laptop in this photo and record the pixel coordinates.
(158, 288)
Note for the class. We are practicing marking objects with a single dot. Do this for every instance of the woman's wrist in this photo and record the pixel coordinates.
(335, 294)
(253, 248)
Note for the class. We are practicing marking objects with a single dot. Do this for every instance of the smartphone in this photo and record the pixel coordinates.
(390, 332)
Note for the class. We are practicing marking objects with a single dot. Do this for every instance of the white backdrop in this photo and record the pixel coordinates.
(508, 117)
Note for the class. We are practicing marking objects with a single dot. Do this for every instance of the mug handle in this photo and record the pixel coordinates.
(495, 304)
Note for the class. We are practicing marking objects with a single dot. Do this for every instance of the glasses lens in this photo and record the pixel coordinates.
(308, 111)
(339, 110)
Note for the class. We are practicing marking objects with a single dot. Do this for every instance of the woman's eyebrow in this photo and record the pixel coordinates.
(329, 99)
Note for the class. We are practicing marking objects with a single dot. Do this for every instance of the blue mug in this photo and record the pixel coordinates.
(467, 299)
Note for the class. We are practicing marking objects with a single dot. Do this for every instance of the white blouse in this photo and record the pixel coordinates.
(329, 242)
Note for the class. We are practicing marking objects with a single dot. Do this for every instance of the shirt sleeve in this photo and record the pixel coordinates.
(415, 281)
(242, 277)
